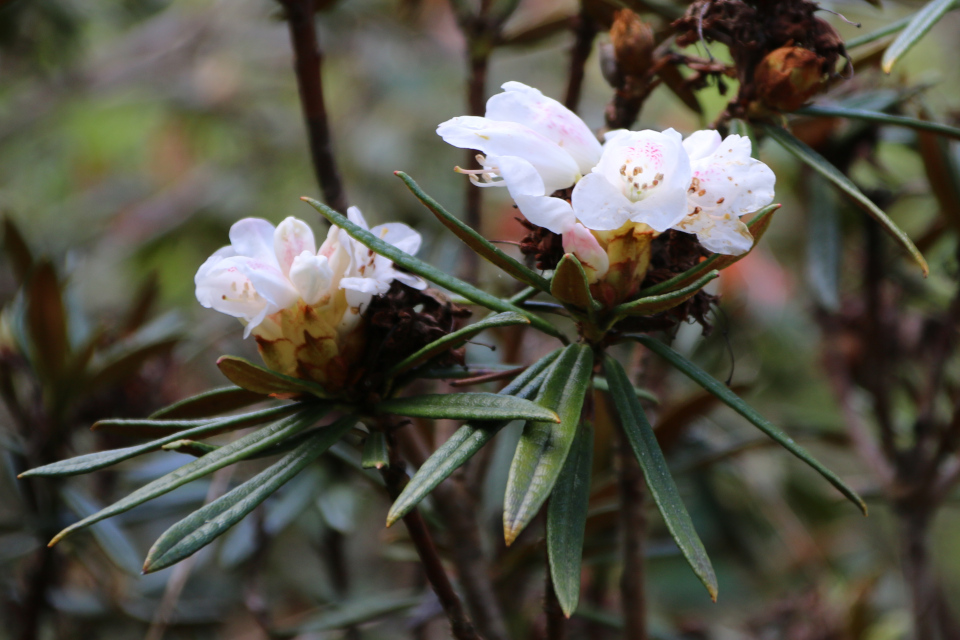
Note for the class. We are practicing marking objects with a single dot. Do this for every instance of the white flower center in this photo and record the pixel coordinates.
(638, 178)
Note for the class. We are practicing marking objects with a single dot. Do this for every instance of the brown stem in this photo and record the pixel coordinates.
(39, 581)
(918, 573)
(308, 66)
(476, 105)
(556, 621)
(458, 509)
(460, 625)
(632, 530)
(585, 31)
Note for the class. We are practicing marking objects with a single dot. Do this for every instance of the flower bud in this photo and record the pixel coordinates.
(628, 250)
(633, 43)
(788, 77)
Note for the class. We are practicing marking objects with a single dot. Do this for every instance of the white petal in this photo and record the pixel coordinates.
(270, 283)
(600, 205)
(724, 234)
(291, 239)
(399, 235)
(312, 276)
(661, 210)
(521, 177)
(529, 107)
(354, 215)
(701, 144)
(556, 167)
(583, 244)
(360, 290)
(554, 214)
(222, 286)
(253, 238)
(410, 280)
(730, 182)
(211, 263)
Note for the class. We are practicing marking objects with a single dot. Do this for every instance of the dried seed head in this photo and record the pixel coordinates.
(633, 43)
(788, 77)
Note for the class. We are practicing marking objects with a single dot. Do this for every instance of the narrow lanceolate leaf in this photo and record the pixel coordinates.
(474, 240)
(824, 243)
(103, 459)
(251, 377)
(375, 455)
(822, 166)
(47, 320)
(655, 471)
(427, 271)
(655, 304)
(109, 536)
(567, 520)
(569, 284)
(17, 249)
(544, 446)
(918, 26)
(733, 401)
(149, 427)
(882, 32)
(209, 403)
(351, 614)
(467, 440)
(600, 383)
(206, 524)
(758, 226)
(456, 339)
(226, 455)
(467, 406)
(880, 118)
(190, 447)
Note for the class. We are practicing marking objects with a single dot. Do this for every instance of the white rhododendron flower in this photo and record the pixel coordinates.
(727, 183)
(532, 145)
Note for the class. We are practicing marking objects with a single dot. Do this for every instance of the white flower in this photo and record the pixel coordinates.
(727, 183)
(533, 145)
(266, 270)
(642, 177)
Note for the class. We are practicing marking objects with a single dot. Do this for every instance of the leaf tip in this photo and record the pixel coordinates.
(509, 534)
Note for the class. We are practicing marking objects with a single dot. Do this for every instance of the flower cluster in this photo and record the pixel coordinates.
(303, 305)
(637, 182)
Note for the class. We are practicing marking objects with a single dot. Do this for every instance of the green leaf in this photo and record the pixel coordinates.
(882, 32)
(203, 526)
(150, 428)
(567, 519)
(210, 403)
(733, 401)
(375, 455)
(821, 111)
(655, 304)
(455, 339)
(427, 271)
(468, 371)
(657, 475)
(239, 449)
(758, 226)
(570, 286)
(480, 245)
(918, 26)
(467, 406)
(822, 166)
(824, 239)
(543, 446)
(111, 539)
(600, 383)
(466, 441)
(17, 249)
(103, 459)
(257, 379)
(190, 448)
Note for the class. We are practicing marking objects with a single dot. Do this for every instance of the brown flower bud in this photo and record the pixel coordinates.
(788, 77)
(633, 43)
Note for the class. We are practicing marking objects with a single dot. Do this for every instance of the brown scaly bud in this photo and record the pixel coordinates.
(788, 77)
(541, 246)
(633, 43)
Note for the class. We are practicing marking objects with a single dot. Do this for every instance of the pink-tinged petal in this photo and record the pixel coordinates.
(701, 144)
(291, 239)
(554, 214)
(730, 182)
(270, 283)
(529, 107)
(211, 263)
(581, 243)
(556, 167)
(312, 277)
(221, 285)
(253, 238)
(720, 234)
(644, 164)
(599, 204)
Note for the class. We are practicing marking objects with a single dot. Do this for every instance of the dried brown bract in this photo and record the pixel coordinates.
(542, 247)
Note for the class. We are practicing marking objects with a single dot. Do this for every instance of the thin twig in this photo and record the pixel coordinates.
(585, 31)
(556, 621)
(308, 61)
(633, 531)
(395, 479)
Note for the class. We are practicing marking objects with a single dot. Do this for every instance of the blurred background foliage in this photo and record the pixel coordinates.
(134, 133)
